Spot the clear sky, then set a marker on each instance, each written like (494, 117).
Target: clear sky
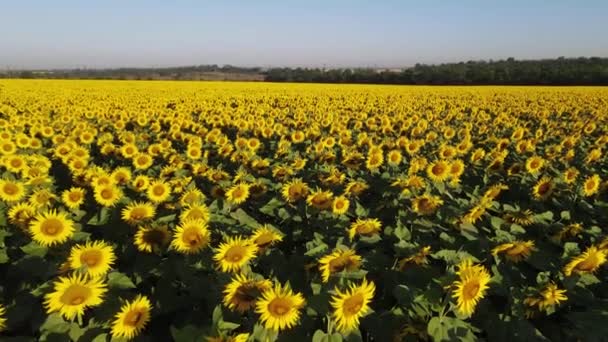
(112, 33)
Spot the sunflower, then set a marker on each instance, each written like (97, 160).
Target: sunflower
(543, 189)
(587, 262)
(394, 158)
(475, 213)
(340, 205)
(11, 191)
(234, 253)
(242, 292)
(364, 227)
(339, 260)
(51, 227)
(294, 190)
(515, 251)
(265, 236)
(355, 188)
(107, 195)
(426, 204)
(438, 171)
(148, 239)
(191, 236)
(73, 198)
(192, 197)
(471, 286)
(158, 191)
(549, 297)
(142, 161)
(456, 168)
(320, 199)
(591, 185)
(95, 257)
(534, 164)
(2, 318)
(138, 212)
(279, 307)
(238, 193)
(140, 183)
(121, 175)
(72, 295)
(349, 306)
(493, 192)
(132, 318)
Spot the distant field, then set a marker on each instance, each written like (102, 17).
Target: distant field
(238, 211)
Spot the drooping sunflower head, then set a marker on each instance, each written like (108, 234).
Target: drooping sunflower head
(547, 298)
(279, 307)
(72, 295)
(191, 236)
(426, 204)
(349, 306)
(21, 214)
(265, 236)
(588, 262)
(515, 251)
(51, 227)
(234, 253)
(364, 227)
(148, 239)
(242, 292)
(320, 199)
(132, 318)
(355, 188)
(95, 258)
(419, 258)
(523, 218)
(338, 261)
(138, 212)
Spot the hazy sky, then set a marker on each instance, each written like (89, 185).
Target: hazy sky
(110, 33)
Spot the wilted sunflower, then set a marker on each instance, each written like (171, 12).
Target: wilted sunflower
(349, 306)
(515, 251)
(158, 191)
(426, 204)
(238, 193)
(72, 295)
(493, 192)
(136, 213)
(587, 262)
(320, 199)
(543, 188)
(340, 205)
(191, 236)
(107, 195)
(96, 258)
(523, 218)
(471, 286)
(438, 171)
(550, 296)
(279, 307)
(419, 258)
(591, 185)
(148, 239)
(51, 227)
(265, 236)
(233, 254)
(242, 292)
(339, 260)
(132, 318)
(364, 227)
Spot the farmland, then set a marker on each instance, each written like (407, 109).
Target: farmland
(234, 211)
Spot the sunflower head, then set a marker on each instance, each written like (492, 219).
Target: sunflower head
(51, 227)
(149, 239)
(72, 295)
(471, 286)
(95, 258)
(349, 306)
(191, 236)
(279, 307)
(338, 261)
(235, 253)
(242, 292)
(132, 318)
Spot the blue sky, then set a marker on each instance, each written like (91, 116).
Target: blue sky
(111, 33)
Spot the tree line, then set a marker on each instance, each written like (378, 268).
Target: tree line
(559, 71)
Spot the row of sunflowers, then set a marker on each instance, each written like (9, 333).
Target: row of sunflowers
(187, 211)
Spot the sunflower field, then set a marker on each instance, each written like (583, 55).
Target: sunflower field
(202, 211)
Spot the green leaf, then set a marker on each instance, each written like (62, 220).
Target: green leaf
(565, 215)
(120, 281)
(360, 210)
(100, 338)
(3, 256)
(496, 222)
(81, 236)
(243, 218)
(402, 233)
(227, 326)
(437, 329)
(270, 207)
(317, 250)
(54, 323)
(101, 218)
(166, 219)
(188, 333)
(34, 249)
(321, 336)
